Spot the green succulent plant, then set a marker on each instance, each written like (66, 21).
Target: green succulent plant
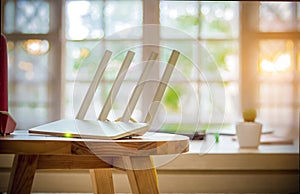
(249, 115)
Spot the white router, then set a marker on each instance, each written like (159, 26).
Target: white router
(101, 128)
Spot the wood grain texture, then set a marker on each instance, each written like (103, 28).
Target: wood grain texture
(134, 146)
(71, 162)
(34, 147)
(22, 174)
(141, 175)
(127, 166)
(102, 181)
(148, 144)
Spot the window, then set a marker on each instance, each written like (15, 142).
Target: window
(32, 43)
(278, 81)
(271, 59)
(234, 55)
(209, 63)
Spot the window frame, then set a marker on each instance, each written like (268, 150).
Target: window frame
(249, 37)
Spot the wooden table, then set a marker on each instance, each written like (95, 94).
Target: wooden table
(101, 156)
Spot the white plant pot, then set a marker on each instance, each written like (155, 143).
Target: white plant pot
(248, 134)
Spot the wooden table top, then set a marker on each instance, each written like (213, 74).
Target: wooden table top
(22, 142)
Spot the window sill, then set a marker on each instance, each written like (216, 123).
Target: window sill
(226, 155)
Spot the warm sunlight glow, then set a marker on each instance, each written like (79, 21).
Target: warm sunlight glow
(267, 66)
(36, 47)
(281, 64)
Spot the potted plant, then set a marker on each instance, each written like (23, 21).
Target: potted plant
(249, 132)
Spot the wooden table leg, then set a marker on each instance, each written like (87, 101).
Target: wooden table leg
(141, 174)
(22, 174)
(102, 180)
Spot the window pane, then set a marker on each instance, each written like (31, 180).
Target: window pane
(219, 19)
(120, 49)
(186, 66)
(34, 93)
(34, 115)
(83, 58)
(29, 67)
(9, 22)
(276, 93)
(72, 102)
(281, 117)
(75, 92)
(84, 20)
(86, 65)
(119, 15)
(181, 15)
(212, 102)
(76, 58)
(275, 58)
(29, 77)
(121, 101)
(277, 16)
(220, 102)
(181, 101)
(232, 104)
(224, 61)
(215, 20)
(32, 17)
(179, 106)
